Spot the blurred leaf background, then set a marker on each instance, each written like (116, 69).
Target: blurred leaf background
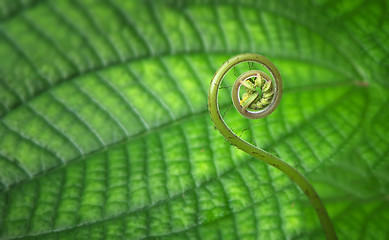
(105, 132)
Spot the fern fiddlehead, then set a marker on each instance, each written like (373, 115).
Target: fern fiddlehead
(261, 98)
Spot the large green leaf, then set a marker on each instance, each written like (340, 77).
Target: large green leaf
(105, 131)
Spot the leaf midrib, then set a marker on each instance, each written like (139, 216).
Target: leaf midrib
(76, 75)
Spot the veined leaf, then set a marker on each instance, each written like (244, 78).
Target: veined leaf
(105, 131)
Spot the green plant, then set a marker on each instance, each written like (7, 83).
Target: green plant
(256, 152)
(105, 131)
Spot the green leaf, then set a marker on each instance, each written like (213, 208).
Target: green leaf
(105, 131)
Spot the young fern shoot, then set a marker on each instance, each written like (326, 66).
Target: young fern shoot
(261, 98)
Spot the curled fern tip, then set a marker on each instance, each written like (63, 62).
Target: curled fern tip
(261, 96)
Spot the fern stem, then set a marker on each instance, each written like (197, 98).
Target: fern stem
(274, 161)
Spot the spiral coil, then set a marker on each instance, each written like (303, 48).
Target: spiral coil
(255, 104)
